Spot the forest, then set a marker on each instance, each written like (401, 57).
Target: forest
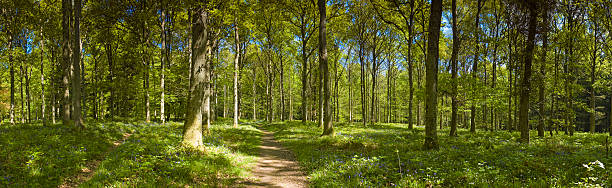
(305, 93)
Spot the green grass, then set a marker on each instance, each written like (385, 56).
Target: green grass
(33, 155)
(372, 156)
(154, 157)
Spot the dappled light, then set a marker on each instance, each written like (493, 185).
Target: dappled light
(305, 93)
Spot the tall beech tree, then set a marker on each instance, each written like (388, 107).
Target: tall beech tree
(431, 81)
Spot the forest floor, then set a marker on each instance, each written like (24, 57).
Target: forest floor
(390, 155)
(90, 167)
(276, 166)
(293, 154)
(34, 155)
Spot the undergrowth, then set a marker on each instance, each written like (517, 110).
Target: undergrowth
(388, 155)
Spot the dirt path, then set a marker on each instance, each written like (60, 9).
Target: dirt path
(276, 166)
(90, 168)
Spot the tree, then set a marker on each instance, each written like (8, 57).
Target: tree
(66, 50)
(431, 81)
(192, 129)
(475, 68)
(328, 128)
(76, 73)
(456, 44)
(525, 82)
(236, 72)
(164, 60)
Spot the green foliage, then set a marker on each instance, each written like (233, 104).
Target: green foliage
(154, 156)
(360, 156)
(35, 155)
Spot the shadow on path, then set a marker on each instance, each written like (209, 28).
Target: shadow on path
(276, 166)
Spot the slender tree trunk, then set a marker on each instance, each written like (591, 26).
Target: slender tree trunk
(53, 82)
(255, 93)
(525, 83)
(27, 74)
(542, 87)
(282, 88)
(475, 71)
(304, 78)
(350, 88)
(494, 78)
(42, 77)
(364, 117)
(510, 84)
(410, 66)
(431, 99)
(593, 74)
(373, 118)
(291, 93)
(22, 112)
(236, 69)
(456, 43)
(163, 61)
(12, 72)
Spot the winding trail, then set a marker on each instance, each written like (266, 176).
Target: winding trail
(276, 166)
(90, 168)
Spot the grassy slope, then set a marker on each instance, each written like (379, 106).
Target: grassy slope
(34, 155)
(373, 155)
(153, 156)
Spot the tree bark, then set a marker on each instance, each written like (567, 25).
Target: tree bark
(431, 80)
(163, 62)
(76, 74)
(192, 130)
(28, 73)
(328, 128)
(525, 83)
(42, 77)
(542, 87)
(456, 43)
(475, 70)
(66, 48)
(236, 69)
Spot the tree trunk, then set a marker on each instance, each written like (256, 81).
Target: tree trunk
(456, 43)
(328, 128)
(542, 87)
(22, 112)
(255, 93)
(509, 127)
(192, 130)
(431, 81)
(373, 118)
(363, 89)
(593, 74)
(475, 71)
(350, 88)
(236, 69)
(163, 61)
(410, 66)
(42, 77)
(66, 48)
(76, 61)
(525, 83)
(12, 72)
(28, 73)
(282, 88)
(291, 93)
